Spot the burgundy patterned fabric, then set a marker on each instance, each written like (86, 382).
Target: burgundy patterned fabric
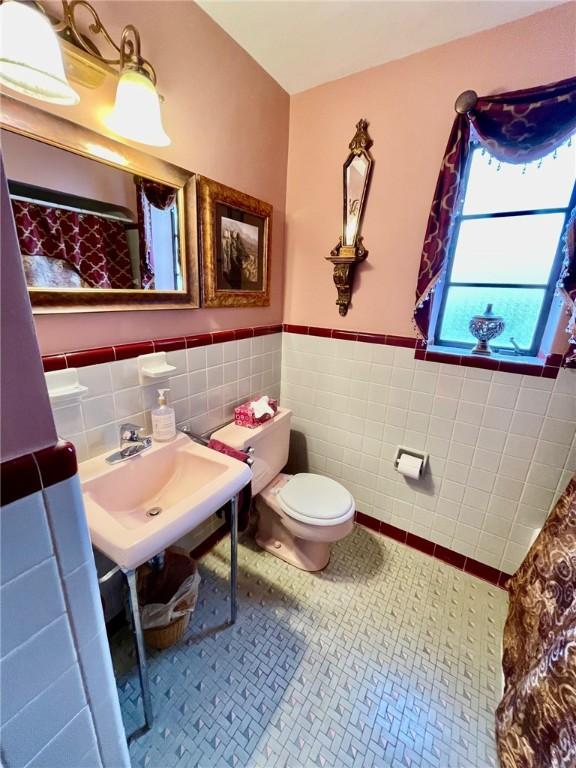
(150, 193)
(440, 221)
(515, 127)
(536, 719)
(94, 246)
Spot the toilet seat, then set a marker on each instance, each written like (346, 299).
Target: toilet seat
(316, 500)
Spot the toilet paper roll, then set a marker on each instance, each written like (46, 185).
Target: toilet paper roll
(409, 466)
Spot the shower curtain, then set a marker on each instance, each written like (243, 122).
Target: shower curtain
(536, 719)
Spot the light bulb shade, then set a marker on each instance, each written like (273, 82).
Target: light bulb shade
(136, 114)
(30, 55)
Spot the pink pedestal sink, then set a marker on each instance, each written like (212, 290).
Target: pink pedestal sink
(139, 507)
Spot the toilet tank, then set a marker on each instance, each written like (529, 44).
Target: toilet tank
(270, 443)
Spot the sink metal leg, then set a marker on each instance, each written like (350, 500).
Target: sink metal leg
(234, 560)
(140, 653)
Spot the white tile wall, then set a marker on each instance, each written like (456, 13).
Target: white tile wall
(502, 446)
(206, 386)
(51, 712)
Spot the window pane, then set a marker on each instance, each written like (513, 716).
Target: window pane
(514, 249)
(545, 183)
(520, 308)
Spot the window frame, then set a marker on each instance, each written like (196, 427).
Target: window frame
(549, 288)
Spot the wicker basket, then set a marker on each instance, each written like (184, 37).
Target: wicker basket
(163, 637)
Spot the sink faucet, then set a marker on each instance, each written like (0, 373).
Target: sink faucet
(132, 443)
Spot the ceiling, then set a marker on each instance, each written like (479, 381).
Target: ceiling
(303, 44)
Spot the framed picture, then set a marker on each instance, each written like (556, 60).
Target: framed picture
(235, 232)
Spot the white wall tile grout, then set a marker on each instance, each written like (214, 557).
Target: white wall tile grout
(208, 383)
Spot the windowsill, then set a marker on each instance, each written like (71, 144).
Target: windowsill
(527, 366)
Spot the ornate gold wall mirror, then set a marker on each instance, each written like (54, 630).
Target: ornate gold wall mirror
(100, 225)
(350, 250)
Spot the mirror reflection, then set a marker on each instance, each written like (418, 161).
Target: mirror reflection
(83, 224)
(356, 176)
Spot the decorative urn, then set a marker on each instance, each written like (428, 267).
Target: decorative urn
(484, 328)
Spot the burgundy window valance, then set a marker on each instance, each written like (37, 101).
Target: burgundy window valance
(94, 246)
(515, 127)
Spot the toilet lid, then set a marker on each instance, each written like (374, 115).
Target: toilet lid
(316, 500)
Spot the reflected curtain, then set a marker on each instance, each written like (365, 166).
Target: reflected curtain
(536, 719)
(515, 127)
(150, 193)
(94, 246)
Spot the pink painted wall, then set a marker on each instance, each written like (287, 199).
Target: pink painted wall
(227, 119)
(409, 104)
(33, 162)
(27, 423)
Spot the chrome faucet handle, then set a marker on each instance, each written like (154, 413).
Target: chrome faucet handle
(130, 433)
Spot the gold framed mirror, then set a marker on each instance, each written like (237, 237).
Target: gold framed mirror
(101, 226)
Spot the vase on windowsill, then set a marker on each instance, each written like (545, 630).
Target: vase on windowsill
(484, 328)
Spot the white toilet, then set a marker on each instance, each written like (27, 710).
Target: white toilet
(299, 516)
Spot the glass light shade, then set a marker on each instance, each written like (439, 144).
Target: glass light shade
(30, 55)
(136, 115)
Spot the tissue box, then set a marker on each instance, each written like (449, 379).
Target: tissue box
(244, 415)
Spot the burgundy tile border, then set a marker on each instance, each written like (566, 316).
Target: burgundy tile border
(372, 338)
(450, 557)
(54, 363)
(243, 333)
(455, 559)
(126, 351)
(302, 329)
(548, 370)
(198, 340)
(555, 360)
(19, 477)
(219, 337)
(367, 521)
(85, 357)
(423, 545)
(169, 345)
(325, 332)
(90, 357)
(30, 473)
(482, 571)
(267, 330)
(392, 532)
(57, 463)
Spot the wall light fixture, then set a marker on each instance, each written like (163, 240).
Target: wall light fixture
(32, 45)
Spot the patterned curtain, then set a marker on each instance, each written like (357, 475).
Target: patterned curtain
(150, 193)
(93, 246)
(515, 127)
(536, 719)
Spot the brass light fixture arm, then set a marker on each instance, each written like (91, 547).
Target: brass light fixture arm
(128, 50)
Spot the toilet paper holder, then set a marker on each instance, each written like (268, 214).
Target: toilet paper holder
(401, 450)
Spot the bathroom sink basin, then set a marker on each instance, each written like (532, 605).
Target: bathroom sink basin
(137, 508)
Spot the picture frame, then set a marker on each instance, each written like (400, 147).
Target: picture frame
(235, 232)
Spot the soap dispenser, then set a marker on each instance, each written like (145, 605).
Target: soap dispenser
(163, 419)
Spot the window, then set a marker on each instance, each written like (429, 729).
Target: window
(506, 247)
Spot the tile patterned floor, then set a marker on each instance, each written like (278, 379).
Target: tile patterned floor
(387, 658)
